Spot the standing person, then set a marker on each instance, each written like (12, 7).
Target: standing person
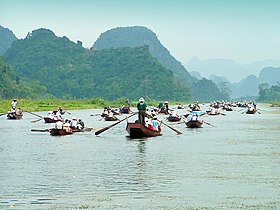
(127, 102)
(255, 105)
(141, 106)
(14, 103)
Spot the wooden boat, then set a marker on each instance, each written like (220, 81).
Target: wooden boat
(125, 110)
(251, 111)
(51, 120)
(194, 124)
(109, 118)
(180, 107)
(60, 132)
(137, 130)
(14, 116)
(171, 118)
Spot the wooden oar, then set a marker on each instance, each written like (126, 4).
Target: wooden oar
(34, 114)
(209, 124)
(177, 131)
(40, 130)
(34, 121)
(3, 114)
(110, 126)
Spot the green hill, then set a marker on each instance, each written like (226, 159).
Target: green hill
(68, 70)
(138, 36)
(6, 39)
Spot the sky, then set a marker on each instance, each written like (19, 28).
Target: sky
(242, 30)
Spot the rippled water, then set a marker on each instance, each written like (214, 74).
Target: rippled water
(234, 165)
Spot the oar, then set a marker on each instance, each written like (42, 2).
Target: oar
(209, 124)
(223, 114)
(33, 121)
(177, 131)
(34, 114)
(3, 114)
(110, 126)
(40, 130)
(258, 112)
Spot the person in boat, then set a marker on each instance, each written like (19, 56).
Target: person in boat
(149, 124)
(58, 116)
(50, 115)
(127, 103)
(255, 105)
(141, 106)
(160, 106)
(14, 103)
(166, 106)
(155, 123)
(18, 111)
(60, 110)
(194, 117)
(105, 112)
(81, 124)
(66, 125)
(74, 123)
(58, 125)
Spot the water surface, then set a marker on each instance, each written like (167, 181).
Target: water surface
(234, 165)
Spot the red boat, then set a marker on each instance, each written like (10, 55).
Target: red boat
(59, 132)
(194, 124)
(251, 111)
(51, 120)
(137, 130)
(110, 118)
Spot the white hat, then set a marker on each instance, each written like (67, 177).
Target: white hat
(74, 118)
(166, 102)
(141, 99)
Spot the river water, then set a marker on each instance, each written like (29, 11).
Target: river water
(234, 165)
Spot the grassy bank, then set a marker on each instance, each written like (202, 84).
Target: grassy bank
(53, 104)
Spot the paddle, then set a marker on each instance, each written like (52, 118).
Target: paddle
(177, 131)
(33, 121)
(223, 114)
(209, 124)
(34, 114)
(39, 130)
(3, 114)
(110, 126)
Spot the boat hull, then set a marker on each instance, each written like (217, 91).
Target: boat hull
(50, 120)
(136, 130)
(194, 124)
(14, 116)
(59, 132)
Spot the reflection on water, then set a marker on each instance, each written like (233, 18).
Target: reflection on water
(234, 165)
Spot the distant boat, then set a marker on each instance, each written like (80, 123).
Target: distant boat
(14, 116)
(137, 130)
(51, 120)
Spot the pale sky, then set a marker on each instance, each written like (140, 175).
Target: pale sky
(243, 30)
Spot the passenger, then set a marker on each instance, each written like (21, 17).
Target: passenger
(58, 125)
(81, 124)
(18, 111)
(194, 117)
(66, 125)
(155, 123)
(14, 103)
(74, 122)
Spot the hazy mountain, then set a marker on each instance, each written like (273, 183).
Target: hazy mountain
(269, 75)
(6, 39)
(139, 36)
(228, 68)
(196, 75)
(246, 87)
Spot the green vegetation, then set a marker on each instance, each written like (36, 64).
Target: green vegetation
(69, 71)
(269, 93)
(53, 104)
(12, 86)
(6, 39)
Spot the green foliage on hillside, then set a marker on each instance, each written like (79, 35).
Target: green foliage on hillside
(206, 90)
(6, 39)
(138, 36)
(12, 86)
(269, 93)
(68, 70)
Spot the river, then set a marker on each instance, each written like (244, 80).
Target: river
(234, 165)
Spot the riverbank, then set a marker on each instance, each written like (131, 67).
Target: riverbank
(32, 105)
